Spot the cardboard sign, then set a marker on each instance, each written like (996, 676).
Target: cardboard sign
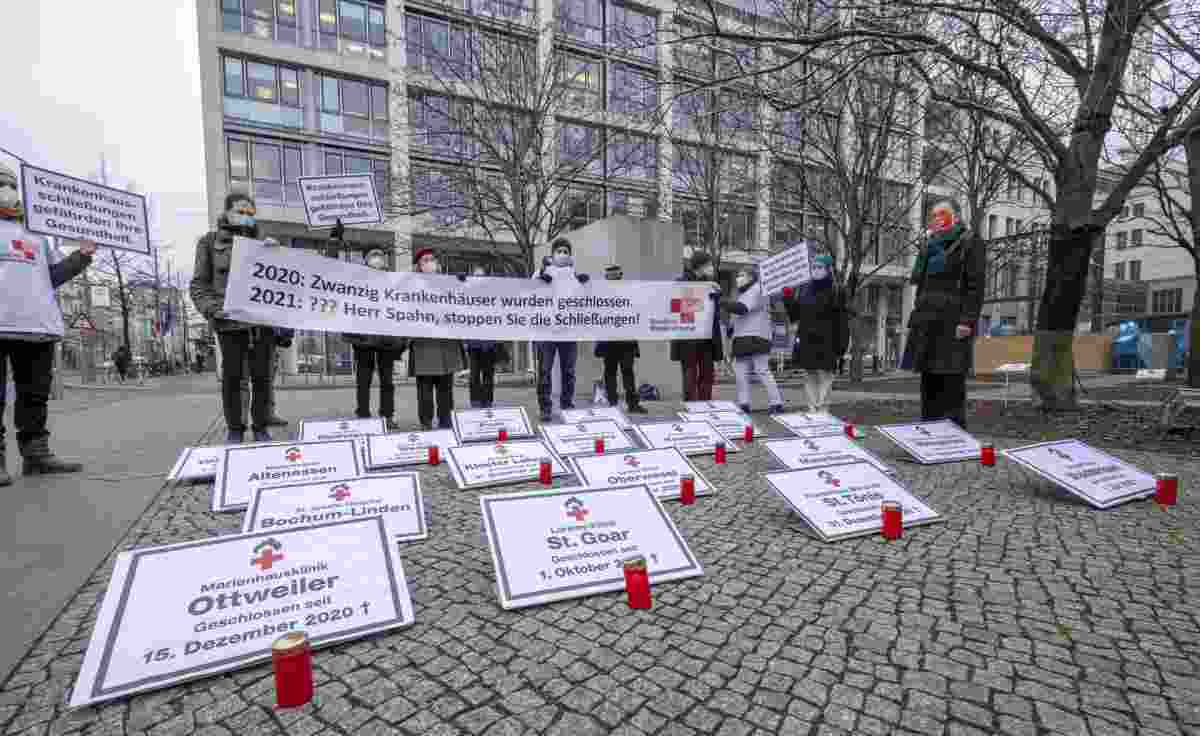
(580, 438)
(76, 209)
(484, 425)
(312, 430)
(189, 610)
(706, 406)
(245, 468)
(405, 448)
(691, 438)
(396, 497)
(931, 443)
(1097, 477)
(571, 543)
(497, 464)
(790, 267)
(657, 469)
(731, 424)
(574, 416)
(811, 425)
(197, 463)
(841, 501)
(833, 449)
(350, 198)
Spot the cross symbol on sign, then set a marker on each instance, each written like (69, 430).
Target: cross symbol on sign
(341, 493)
(579, 514)
(267, 559)
(686, 306)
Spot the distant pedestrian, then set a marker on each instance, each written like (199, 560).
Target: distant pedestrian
(559, 266)
(483, 355)
(376, 354)
(822, 332)
(698, 358)
(751, 328)
(620, 355)
(434, 361)
(122, 358)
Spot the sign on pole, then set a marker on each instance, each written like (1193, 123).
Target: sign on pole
(405, 448)
(808, 452)
(580, 438)
(338, 429)
(194, 609)
(245, 468)
(571, 543)
(76, 209)
(731, 424)
(574, 416)
(501, 463)
(350, 198)
(1078, 468)
(811, 425)
(659, 470)
(931, 443)
(790, 267)
(395, 496)
(198, 463)
(690, 438)
(484, 425)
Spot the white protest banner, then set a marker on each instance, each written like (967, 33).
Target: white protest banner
(1097, 477)
(290, 287)
(198, 463)
(580, 438)
(731, 424)
(394, 496)
(66, 207)
(807, 452)
(845, 500)
(497, 464)
(811, 425)
(698, 407)
(691, 438)
(572, 543)
(350, 198)
(244, 468)
(484, 425)
(658, 469)
(313, 430)
(574, 416)
(405, 448)
(790, 267)
(931, 443)
(189, 610)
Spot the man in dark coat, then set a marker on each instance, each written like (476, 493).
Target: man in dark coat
(620, 354)
(949, 275)
(822, 332)
(698, 358)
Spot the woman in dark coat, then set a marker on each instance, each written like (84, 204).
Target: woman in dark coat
(822, 333)
(949, 275)
(698, 358)
(434, 361)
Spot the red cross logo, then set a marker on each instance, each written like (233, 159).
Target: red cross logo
(267, 554)
(686, 306)
(632, 461)
(25, 249)
(576, 510)
(340, 493)
(829, 479)
(293, 454)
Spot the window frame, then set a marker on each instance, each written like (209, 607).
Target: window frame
(288, 181)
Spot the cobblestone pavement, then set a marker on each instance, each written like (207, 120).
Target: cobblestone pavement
(1027, 612)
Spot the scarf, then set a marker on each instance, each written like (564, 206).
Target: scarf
(932, 259)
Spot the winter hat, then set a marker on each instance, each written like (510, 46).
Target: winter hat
(421, 253)
(562, 243)
(699, 260)
(373, 253)
(825, 260)
(235, 197)
(7, 175)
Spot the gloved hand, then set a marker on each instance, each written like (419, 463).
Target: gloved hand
(271, 242)
(283, 342)
(545, 277)
(583, 278)
(462, 277)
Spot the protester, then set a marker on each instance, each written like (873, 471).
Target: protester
(434, 361)
(559, 265)
(698, 358)
(483, 355)
(949, 274)
(822, 332)
(751, 346)
(376, 353)
(283, 340)
(620, 354)
(30, 323)
(121, 360)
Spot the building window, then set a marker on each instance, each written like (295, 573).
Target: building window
(633, 204)
(582, 20)
(633, 31)
(436, 123)
(515, 10)
(633, 156)
(1139, 210)
(1167, 301)
(582, 206)
(338, 161)
(1135, 238)
(1135, 270)
(632, 91)
(437, 47)
(993, 226)
(1009, 226)
(271, 20)
(267, 94)
(1122, 238)
(268, 170)
(436, 192)
(691, 111)
(583, 81)
(1119, 271)
(353, 27)
(582, 148)
(353, 107)
(736, 111)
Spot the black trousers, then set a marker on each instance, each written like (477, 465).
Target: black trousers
(242, 350)
(33, 374)
(624, 361)
(443, 386)
(367, 361)
(944, 396)
(483, 377)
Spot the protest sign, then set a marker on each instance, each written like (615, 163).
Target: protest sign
(76, 209)
(931, 443)
(811, 425)
(790, 267)
(484, 425)
(394, 496)
(691, 438)
(499, 463)
(193, 609)
(707, 406)
(405, 448)
(571, 543)
(197, 463)
(289, 287)
(807, 452)
(580, 438)
(657, 469)
(312, 430)
(844, 500)
(1097, 477)
(350, 198)
(574, 416)
(731, 424)
(244, 468)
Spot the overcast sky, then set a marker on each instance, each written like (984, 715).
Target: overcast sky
(118, 78)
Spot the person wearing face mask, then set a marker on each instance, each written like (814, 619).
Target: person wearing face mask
(434, 361)
(558, 266)
(30, 323)
(376, 353)
(751, 347)
(822, 332)
(483, 356)
(620, 354)
(698, 358)
(949, 274)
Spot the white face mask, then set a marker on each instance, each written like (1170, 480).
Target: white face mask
(9, 197)
(820, 272)
(377, 263)
(478, 272)
(562, 259)
(706, 272)
(428, 265)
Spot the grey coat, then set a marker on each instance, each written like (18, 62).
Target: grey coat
(944, 301)
(434, 357)
(211, 277)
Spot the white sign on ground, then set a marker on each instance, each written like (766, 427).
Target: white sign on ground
(189, 610)
(931, 443)
(791, 267)
(845, 500)
(657, 469)
(312, 430)
(1097, 477)
(394, 496)
(571, 543)
(198, 463)
(574, 416)
(580, 438)
(245, 468)
(405, 448)
(501, 463)
(690, 438)
(350, 198)
(706, 406)
(833, 449)
(76, 209)
(731, 424)
(811, 425)
(484, 425)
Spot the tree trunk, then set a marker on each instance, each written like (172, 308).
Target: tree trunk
(1193, 356)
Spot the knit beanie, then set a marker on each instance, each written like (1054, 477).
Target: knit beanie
(235, 197)
(561, 243)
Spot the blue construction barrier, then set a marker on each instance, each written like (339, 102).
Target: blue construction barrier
(1180, 333)
(1129, 353)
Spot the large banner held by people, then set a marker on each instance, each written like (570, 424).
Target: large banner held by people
(285, 287)
(66, 207)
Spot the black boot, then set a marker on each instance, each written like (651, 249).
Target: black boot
(39, 460)
(5, 478)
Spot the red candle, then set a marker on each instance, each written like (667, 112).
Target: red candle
(599, 445)
(748, 433)
(851, 431)
(1166, 489)
(503, 436)
(546, 472)
(687, 490)
(787, 292)
(292, 660)
(637, 582)
(720, 453)
(893, 520)
(435, 455)
(987, 456)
